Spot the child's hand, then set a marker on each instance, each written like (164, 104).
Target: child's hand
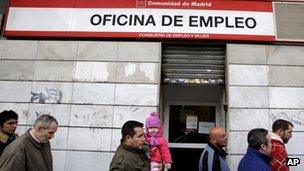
(168, 165)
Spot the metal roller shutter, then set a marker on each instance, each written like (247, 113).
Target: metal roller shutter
(193, 63)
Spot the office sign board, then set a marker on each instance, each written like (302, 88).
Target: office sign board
(180, 19)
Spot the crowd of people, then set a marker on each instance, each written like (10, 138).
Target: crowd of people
(32, 150)
(266, 149)
(143, 147)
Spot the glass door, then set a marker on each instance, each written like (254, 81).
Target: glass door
(187, 132)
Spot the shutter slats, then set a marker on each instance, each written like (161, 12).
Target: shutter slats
(193, 63)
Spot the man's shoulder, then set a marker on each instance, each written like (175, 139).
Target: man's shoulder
(252, 162)
(120, 149)
(123, 153)
(3, 138)
(6, 139)
(19, 142)
(252, 158)
(120, 153)
(120, 158)
(277, 143)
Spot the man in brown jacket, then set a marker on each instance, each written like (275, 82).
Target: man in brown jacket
(32, 150)
(130, 155)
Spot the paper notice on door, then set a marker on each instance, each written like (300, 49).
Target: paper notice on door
(191, 122)
(203, 127)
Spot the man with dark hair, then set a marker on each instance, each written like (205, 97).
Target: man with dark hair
(213, 158)
(257, 157)
(32, 150)
(282, 132)
(130, 156)
(8, 125)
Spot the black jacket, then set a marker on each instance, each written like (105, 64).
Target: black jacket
(5, 140)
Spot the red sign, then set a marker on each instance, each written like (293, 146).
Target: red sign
(181, 19)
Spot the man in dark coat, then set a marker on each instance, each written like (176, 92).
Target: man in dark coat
(257, 157)
(130, 155)
(32, 150)
(8, 125)
(213, 158)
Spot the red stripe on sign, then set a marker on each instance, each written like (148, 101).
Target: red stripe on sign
(242, 37)
(43, 3)
(160, 4)
(37, 34)
(139, 35)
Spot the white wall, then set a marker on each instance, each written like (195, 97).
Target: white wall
(265, 83)
(97, 86)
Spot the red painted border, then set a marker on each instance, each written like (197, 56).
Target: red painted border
(232, 5)
(138, 35)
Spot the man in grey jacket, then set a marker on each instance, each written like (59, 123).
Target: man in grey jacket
(32, 150)
(213, 158)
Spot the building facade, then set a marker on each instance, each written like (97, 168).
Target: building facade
(92, 86)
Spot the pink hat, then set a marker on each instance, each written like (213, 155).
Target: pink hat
(153, 120)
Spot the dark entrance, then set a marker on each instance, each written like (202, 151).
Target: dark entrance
(192, 93)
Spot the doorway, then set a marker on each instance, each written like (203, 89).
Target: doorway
(192, 99)
(186, 122)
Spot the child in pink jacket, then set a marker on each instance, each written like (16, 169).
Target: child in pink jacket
(159, 150)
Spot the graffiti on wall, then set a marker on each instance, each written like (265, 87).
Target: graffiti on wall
(97, 118)
(295, 119)
(50, 95)
(41, 113)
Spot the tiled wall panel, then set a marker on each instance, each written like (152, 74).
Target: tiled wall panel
(89, 86)
(265, 84)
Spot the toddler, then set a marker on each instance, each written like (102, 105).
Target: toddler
(159, 150)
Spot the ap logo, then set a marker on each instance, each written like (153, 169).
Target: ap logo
(292, 161)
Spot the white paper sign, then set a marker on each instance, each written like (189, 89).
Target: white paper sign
(203, 127)
(191, 122)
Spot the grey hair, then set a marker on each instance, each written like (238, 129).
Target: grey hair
(45, 120)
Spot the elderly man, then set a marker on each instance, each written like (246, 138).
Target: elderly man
(8, 125)
(213, 157)
(130, 155)
(32, 150)
(257, 157)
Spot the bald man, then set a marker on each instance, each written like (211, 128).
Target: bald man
(213, 158)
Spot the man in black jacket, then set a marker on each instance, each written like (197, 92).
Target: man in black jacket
(8, 125)
(213, 157)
